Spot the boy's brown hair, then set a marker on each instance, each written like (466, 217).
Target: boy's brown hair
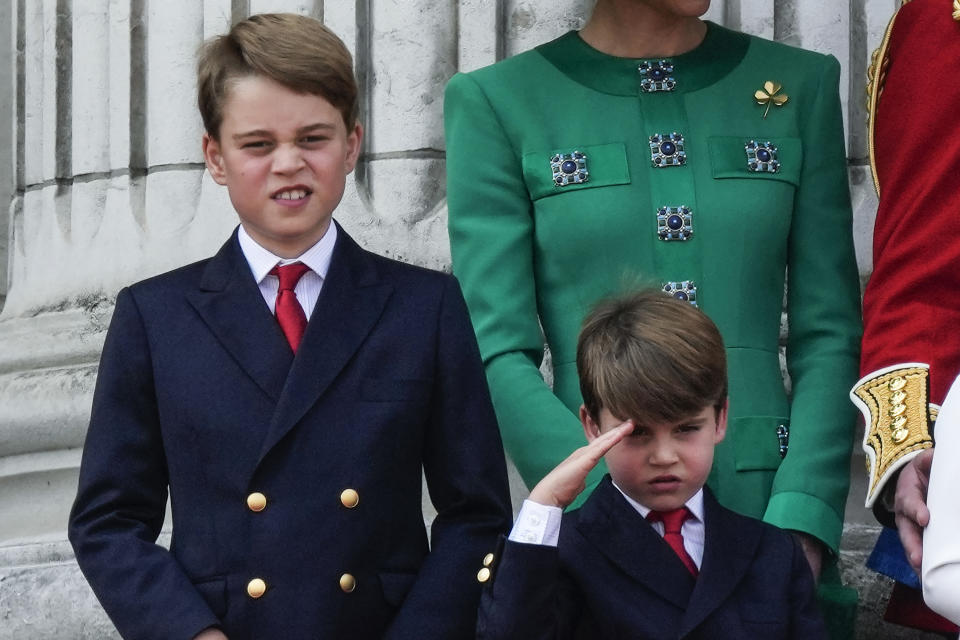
(649, 357)
(296, 51)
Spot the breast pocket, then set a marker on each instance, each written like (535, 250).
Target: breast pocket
(555, 172)
(777, 160)
(756, 187)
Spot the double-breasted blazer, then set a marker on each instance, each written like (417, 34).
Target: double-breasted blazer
(612, 576)
(294, 482)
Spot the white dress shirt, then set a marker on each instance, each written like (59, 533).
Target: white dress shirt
(308, 288)
(540, 524)
(941, 539)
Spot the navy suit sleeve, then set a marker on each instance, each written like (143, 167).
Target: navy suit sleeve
(466, 476)
(122, 496)
(529, 597)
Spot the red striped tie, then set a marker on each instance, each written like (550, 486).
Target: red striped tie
(290, 315)
(672, 526)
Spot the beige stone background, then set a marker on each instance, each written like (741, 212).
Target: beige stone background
(102, 184)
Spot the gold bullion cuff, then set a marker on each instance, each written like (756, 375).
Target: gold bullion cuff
(894, 404)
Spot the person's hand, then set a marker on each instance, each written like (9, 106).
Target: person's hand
(210, 634)
(910, 506)
(813, 550)
(561, 486)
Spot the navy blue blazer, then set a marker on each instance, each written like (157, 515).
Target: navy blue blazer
(199, 393)
(612, 576)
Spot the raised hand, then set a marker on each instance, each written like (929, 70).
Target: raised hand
(561, 486)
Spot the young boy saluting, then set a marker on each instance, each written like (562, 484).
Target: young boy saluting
(287, 393)
(651, 554)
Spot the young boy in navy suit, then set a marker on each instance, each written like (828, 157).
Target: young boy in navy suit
(651, 553)
(289, 393)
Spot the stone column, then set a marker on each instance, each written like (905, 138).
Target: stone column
(108, 187)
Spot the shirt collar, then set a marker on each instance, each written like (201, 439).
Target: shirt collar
(694, 504)
(261, 260)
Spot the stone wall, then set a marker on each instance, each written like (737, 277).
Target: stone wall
(105, 185)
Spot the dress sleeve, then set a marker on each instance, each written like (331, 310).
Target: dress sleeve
(823, 306)
(492, 245)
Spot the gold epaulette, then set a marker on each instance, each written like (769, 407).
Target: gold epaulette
(894, 404)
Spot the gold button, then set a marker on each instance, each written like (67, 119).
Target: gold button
(900, 435)
(256, 501)
(897, 410)
(349, 498)
(256, 588)
(483, 575)
(899, 422)
(898, 397)
(897, 383)
(348, 583)
(488, 560)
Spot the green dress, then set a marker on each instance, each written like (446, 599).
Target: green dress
(568, 181)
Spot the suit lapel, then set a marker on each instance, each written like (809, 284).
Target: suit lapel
(615, 528)
(729, 549)
(350, 303)
(231, 305)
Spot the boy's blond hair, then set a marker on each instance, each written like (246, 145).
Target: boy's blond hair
(649, 357)
(293, 50)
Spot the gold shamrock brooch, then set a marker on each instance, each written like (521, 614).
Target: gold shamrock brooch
(770, 94)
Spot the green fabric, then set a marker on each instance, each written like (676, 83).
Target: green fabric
(838, 603)
(531, 255)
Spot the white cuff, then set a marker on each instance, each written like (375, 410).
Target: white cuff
(537, 524)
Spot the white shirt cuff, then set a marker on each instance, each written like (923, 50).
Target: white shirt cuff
(537, 524)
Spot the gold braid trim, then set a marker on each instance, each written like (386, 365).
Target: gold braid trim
(876, 76)
(894, 402)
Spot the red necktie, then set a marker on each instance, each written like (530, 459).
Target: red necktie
(672, 526)
(290, 315)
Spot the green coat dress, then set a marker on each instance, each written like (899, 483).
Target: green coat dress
(533, 255)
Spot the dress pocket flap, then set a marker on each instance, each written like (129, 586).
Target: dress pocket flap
(729, 158)
(606, 164)
(756, 442)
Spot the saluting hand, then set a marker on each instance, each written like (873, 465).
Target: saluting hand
(561, 486)
(210, 634)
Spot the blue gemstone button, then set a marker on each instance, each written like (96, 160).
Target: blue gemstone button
(569, 168)
(674, 223)
(685, 290)
(656, 76)
(666, 150)
(762, 157)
